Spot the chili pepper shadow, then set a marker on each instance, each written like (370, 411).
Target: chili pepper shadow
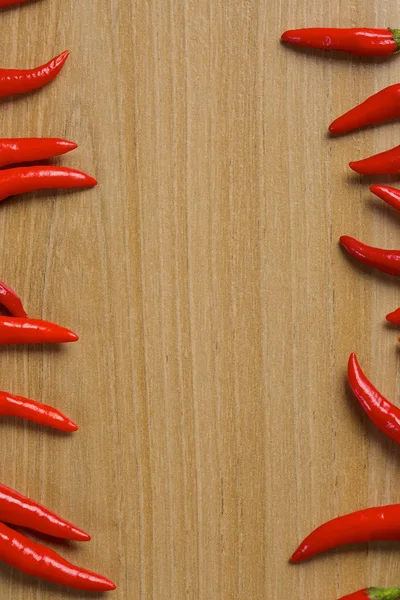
(381, 209)
(393, 327)
(45, 539)
(372, 433)
(44, 195)
(355, 179)
(54, 160)
(14, 422)
(371, 271)
(34, 348)
(336, 55)
(32, 584)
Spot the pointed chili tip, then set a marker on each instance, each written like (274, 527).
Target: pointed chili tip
(394, 317)
(344, 241)
(70, 426)
(67, 145)
(333, 129)
(61, 58)
(287, 36)
(353, 165)
(70, 336)
(103, 584)
(91, 181)
(296, 556)
(80, 535)
(375, 188)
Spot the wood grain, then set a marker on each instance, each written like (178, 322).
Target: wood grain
(215, 308)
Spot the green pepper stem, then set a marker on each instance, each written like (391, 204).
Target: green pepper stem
(383, 593)
(396, 37)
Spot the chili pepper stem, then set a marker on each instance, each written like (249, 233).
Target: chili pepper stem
(375, 593)
(396, 36)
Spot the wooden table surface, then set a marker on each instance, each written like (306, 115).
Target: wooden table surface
(215, 308)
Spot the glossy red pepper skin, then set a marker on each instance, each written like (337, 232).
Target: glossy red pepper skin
(20, 81)
(42, 414)
(359, 41)
(19, 510)
(10, 300)
(384, 163)
(394, 317)
(387, 261)
(383, 106)
(374, 593)
(36, 560)
(372, 524)
(383, 414)
(20, 150)
(360, 595)
(33, 331)
(21, 180)
(388, 194)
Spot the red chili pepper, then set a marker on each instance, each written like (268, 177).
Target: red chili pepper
(10, 2)
(35, 559)
(374, 594)
(394, 317)
(24, 408)
(360, 595)
(384, 414)
(33, 331)
(19, 510)
(388, 194)
(384, 163)
(383, 106)
(21, 180)
(10, 300)
(387, 261)
(359, 41)
(20, 81)
(20, 150)
(380, 523)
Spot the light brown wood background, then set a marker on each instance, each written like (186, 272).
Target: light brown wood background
(215, 308)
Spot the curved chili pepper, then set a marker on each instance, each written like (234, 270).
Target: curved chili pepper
(20, 81)
(33, 331)
(380, 523)
(35, 559)
(10, 300)
(20, 150)
(383, 106)
(383, 414)
(384, 163)
(24, 408)
(359, 41)
(374, 593)
(29, 179)
(388, 194)
(394, 317)
(19, 510)
(387, 261)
